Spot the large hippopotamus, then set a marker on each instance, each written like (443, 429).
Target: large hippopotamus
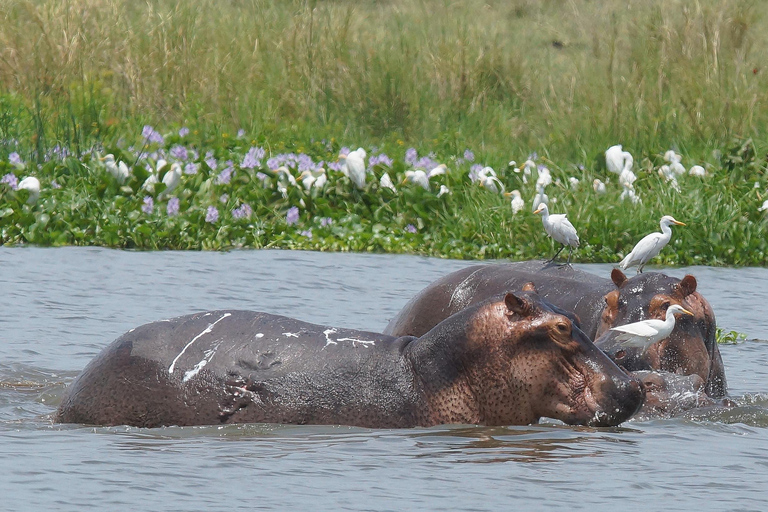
(598, 303)
(506, 360)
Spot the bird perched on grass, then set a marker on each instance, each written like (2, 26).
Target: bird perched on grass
(650, 246)
(560, 229)
(117, 169)
(645, 333)
(487, 179)
(353, 165)
(517, 201)
(617, 160)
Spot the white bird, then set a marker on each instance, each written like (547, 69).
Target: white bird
(517, 201)
(650, 246)
(421, 178)
(354, 163)
(598, 186)
(574, 182)
(627, 178)
(764, 207)
(629, 193)
(617, 160)
(544, 179)
(698, 170)
(540, 197)
(645, 333)
(670, 156)
(31, 184)
(560, 229)
(171, 178)
(386, 182)
(117, 169)
(528, 167)
(486, 177)
(443, 190)
(313, 179)
(284, 178)
(669, 176)
(677, 168)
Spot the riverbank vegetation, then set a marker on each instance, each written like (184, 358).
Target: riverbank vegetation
(206, 84)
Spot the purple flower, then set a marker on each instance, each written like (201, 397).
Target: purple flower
(59, 152)
(263, 177)
(381, 159)
(173, 207)
(151, 135)
(344, 151)
(410, 228)
(292, 217)
(191, 168)
(533, 156)
(211, 160)
(240, 133)
(244, 211)
(225, 176)
(55, 185)
(212, 215)
(325, 221)
(307, 233)
(334, 166)
(149, 205)
(253, 158)
(224, 198)
(469, 156)
(183, 132)
(11, 180)
(411, 155)
(14, 158)
(179, 152)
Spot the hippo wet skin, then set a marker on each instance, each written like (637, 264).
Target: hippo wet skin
(598, 303)
(507, 360)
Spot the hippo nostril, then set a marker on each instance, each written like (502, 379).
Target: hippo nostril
(621, 354)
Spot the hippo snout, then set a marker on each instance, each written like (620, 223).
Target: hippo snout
(623, 396)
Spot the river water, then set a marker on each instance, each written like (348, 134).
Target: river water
(60, 307)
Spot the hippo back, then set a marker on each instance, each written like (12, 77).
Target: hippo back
(563, 286)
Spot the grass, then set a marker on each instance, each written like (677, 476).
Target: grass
(504, 78)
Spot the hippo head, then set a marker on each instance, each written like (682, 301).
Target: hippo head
(528, 361)
(691, 347)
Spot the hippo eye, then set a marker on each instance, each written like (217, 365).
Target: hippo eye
(665, 305)
(562, 327)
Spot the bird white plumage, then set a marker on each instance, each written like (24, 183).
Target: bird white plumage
(386, 182)
(617, 160)
(171, 178)
(650, 245)
(540, 198)
(355, 166)
(598, 186)
(517, 201)
(645, 333)
(560, 229)
(31, 184)
(487, 179)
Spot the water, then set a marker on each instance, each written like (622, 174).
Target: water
(60, 307)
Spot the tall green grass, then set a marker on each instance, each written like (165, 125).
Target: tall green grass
(502, 77)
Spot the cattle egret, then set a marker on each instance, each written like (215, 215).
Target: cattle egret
(443, 190)
(487, 179)
(172, 178)
(528, 167)
(421, 177)
(764, 207)
(313, 179)
(574, 183)
(354, 163)
(31, 184)
(647, 332)
(598, 186)
(560, 229)
(544, 179)
(284, 178)
(386, 182)
(117, 169)
(517, 201)
(670, 156)
(540, 197)
(617, 160)
(650, 246)
(697, 170)
(629, 193)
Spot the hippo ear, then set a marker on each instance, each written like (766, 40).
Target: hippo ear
(686, 286)
(516, 304)
(529, 287)
(618, 277)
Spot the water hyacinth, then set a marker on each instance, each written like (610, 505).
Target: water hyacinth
(11, 180)
(212, 214)
(150, 135)
(183, 132)
(149, 205)
(211, 161)
(292, 216)
(469, 156)
(15, 159)
(191, 168)
(240, 133)
(173, 207)
(325, 222)
(225, 176)
(307, 233)
(253, 158)
(411, 156)
(244, 211)
(410, 228)
(474, 172)
(179, 152)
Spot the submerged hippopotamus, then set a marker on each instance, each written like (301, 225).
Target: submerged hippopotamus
(506, 360)
(598, 303)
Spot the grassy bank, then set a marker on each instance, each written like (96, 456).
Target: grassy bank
(504, 79)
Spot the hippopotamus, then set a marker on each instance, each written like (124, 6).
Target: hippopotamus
(506, 360)
(598, 303)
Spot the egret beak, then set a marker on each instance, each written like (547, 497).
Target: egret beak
(685, 311)
(507, 194)
(678, 223)
(537, 211)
